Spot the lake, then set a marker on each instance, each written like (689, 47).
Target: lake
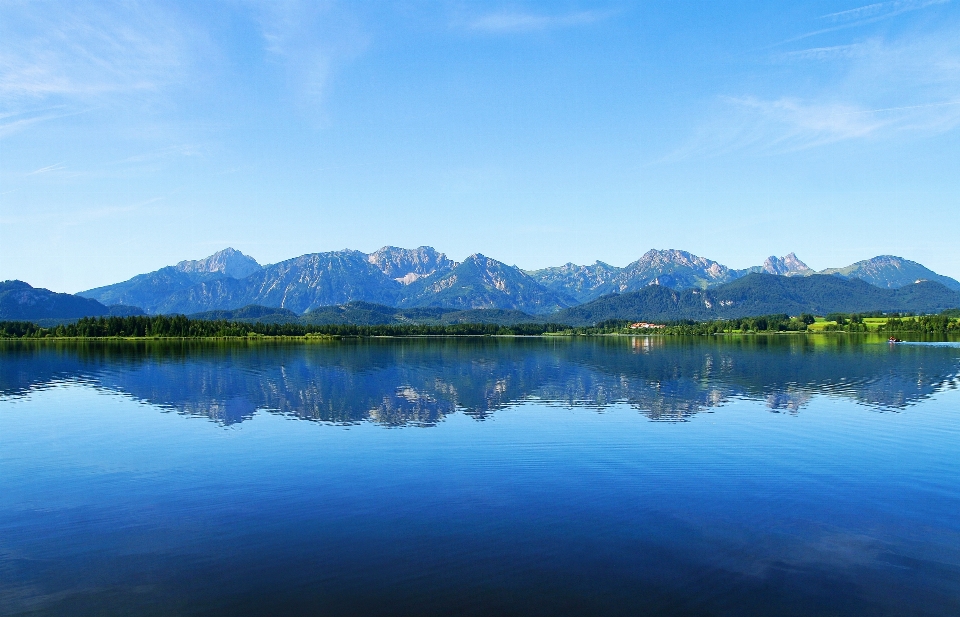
(755, 475)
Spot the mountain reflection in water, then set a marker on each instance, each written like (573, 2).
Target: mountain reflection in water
(420, 381)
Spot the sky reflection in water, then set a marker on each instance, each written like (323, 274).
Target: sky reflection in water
(530, 479)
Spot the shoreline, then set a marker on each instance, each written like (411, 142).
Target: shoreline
(550, 335)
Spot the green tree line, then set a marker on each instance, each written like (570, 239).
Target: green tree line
(179, 326)
(944, 323)
(763, 323)
(924, 323)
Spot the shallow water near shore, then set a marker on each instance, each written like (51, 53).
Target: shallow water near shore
(787, 475)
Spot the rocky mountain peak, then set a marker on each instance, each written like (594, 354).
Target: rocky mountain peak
(229, 262)
(424, 277)
(482, 282)
(680, 265)
(789, 265)
(14, 284)
(408, 265)
(891, 272)
(672, 258)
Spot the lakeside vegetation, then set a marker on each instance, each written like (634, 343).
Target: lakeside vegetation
(835, 322)
(179, 326)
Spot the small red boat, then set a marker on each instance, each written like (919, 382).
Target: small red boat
(894, 339)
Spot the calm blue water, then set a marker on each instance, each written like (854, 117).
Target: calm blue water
(753, 476)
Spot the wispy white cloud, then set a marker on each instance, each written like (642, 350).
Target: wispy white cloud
(124, 64)
(17, 120)
(773, 126)
(76, 217)
(514, 21)
(84, 51)
(310, 40)
(826, 53)
(93, 214)
(791, 124)
(880, 10)
(876, 88)
(177, 150)
(48, 168)
(865, 15)
(759, 126)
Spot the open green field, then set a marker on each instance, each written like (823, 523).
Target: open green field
(873, 323)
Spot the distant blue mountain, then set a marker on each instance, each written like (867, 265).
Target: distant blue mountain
(762, 294)
(483, 283)
(667, 268)
(21, 302)
(423, 277)
(892, 272)
(391, 276)
(682, 270)
(250, 313)
(369, 314)
(153, 290)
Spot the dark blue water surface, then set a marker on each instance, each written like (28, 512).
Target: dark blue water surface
(744, 476)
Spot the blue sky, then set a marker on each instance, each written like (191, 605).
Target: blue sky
(137, 134)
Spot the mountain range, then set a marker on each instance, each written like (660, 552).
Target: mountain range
(424, 277)
(21, 302)
(392, 276)
(401, 282)
(762, 294)
(751, 295)
(679, 270)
